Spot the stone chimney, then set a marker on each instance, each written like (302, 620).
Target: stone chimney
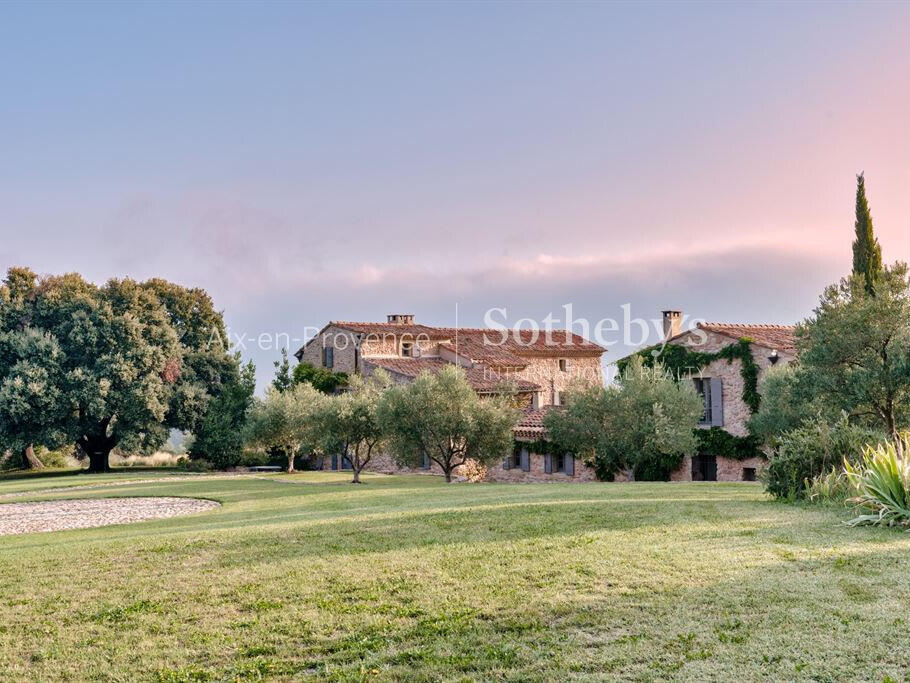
(672, 323)
(401, 318)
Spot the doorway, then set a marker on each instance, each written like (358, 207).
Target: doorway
(704, 468)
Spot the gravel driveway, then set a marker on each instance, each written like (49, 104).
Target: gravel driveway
(56, 515)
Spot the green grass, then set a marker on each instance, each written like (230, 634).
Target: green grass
(406, 578)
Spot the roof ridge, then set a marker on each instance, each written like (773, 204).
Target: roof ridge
(764, 326)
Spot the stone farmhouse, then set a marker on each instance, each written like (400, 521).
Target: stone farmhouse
(542, 366)
(720, 383)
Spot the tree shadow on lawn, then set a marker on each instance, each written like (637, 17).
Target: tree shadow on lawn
(793, 619)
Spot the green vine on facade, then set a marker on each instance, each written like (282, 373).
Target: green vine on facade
(682, 362)
(719, 441)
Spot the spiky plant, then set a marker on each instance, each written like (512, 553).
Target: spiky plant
(882, 481)
(830, 488)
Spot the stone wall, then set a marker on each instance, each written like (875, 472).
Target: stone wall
(545, 372)
(728, 469)
(385, 464)
(736, 412)
(343, 343)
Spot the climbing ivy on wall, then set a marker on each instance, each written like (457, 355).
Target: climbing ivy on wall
(681, 361)
(719, 441)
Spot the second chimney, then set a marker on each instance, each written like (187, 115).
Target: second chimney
(672, 323)
(401, 318)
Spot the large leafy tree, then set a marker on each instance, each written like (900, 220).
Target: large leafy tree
(789, 398)
(645, 421)
(856, 348)
(31, 410)
(136, 359)
(30, 369)
(219, 436)
(349, 423)
(286, 421)
(867, 253)
(439, 416)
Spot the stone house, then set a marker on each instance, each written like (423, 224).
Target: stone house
(542, 365)
(721, 384)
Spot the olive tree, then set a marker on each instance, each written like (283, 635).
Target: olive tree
(286, 421)
(440, 417)
(349, 423)
(645, 421)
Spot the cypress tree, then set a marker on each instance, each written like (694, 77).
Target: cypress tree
(867, 253)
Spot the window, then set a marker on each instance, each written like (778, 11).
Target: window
(563, 365)
(703, 387)
(407, 349)
(557, 398)
(749, 474)
(328, 357)
(515, 460)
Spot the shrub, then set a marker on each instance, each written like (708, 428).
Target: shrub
(194, 465)
(882, 480)
(813, 448)
(474, 471)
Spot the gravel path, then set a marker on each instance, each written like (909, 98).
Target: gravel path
(56, 515)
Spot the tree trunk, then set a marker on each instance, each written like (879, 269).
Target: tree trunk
(448, 476)
(291, 469)
(98, 451)
(356, 479)
(32, 460)
(99, 460)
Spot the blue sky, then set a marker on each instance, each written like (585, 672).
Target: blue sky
(312, 161)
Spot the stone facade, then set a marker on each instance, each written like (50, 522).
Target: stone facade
(728, 469)
(496, 472)
(736, 413)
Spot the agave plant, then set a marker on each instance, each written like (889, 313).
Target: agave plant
(882, 481)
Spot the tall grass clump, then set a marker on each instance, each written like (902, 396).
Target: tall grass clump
(882, 481)
(830, 488)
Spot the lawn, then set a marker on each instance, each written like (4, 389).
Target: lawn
(407, 578)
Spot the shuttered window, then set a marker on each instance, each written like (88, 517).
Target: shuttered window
(328, 357)
(703, 388)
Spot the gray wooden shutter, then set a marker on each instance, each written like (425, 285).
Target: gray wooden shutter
(717, 402)
(330, 358)
(525, 460)
(507, 463)
(334, 462)
(569, 465)
(548, 463)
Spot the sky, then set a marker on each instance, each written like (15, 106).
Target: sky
(305, 162)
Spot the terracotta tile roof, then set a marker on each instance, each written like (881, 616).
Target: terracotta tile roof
(482, 379)
(531, 424)
(380, 329)
(780, 337)
(525, 342)
(477, 352)
(517, 342)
